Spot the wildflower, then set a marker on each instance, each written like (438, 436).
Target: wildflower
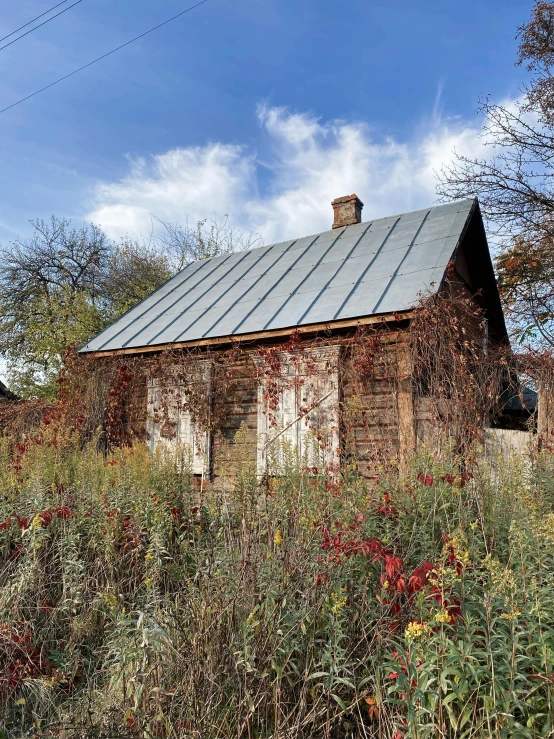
(110, 599)
(416, 630)
(510, 616)
(455, 550)
(278, 538)
(148, 582)
(443, 617)
(36, 523)
(148, 556)
(339, 600)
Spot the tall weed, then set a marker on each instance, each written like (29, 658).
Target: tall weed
(136, 602)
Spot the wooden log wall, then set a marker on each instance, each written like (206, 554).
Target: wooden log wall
(376, 411)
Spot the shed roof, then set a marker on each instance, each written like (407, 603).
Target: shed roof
(364, 269)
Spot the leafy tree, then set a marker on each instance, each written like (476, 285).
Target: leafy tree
(63, 285)
(515, 184)
(49, 298)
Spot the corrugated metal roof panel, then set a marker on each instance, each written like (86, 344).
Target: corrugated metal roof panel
(381, 266)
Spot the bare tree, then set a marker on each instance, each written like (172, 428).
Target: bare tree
(209, 238)
(515, 184)
(134, 269)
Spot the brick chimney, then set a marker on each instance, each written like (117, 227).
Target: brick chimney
(348, 210)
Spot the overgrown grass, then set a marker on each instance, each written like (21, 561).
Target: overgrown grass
(134, 603)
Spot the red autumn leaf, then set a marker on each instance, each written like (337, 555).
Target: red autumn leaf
(45, 518)
(64, 512)
(425, 478)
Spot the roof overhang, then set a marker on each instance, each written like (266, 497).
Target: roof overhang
(276, 334)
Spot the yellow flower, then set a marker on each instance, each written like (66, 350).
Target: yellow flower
(110, 599)
(278, 538)
(416, 630)
(339, 601)
(443, 617)
(148, 556)
(148, 582)
(36, 523)
(510, 616)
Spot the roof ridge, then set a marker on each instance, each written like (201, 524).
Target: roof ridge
(371, 221)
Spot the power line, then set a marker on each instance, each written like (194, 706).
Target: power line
(61, 79)
(34, 19)
(39, 25)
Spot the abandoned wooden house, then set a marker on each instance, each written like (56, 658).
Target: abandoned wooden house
(279, 321)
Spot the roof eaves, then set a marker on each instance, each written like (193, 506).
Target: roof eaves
(306, 330)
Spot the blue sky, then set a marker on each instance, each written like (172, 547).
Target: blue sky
(265, 109)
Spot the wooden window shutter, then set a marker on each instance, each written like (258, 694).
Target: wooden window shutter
(170, 423)
(306, 419)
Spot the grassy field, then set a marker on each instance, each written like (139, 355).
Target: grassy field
(134, 603)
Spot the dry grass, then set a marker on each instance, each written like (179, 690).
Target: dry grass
(132, 604)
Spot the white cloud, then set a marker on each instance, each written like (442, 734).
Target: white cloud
(311, 163)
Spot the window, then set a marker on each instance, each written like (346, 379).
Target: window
(173, 423)
(298, 407)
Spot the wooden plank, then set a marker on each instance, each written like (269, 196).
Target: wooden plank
(262, 335)
(405, 402)
(506, 444)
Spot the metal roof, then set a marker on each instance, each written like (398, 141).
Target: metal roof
(381, 266)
